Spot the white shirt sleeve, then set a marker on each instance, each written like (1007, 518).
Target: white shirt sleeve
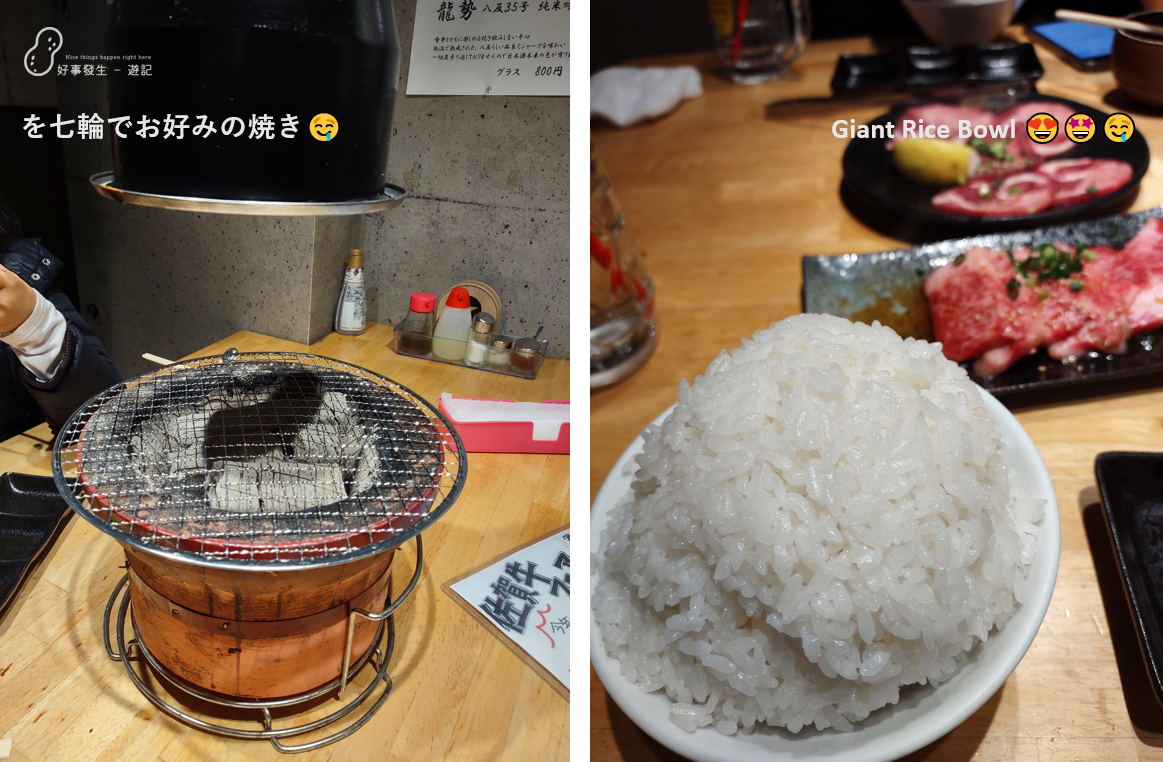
(38, 340)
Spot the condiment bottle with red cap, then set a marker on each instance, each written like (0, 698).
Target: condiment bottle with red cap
(416, 332)
(450, 339)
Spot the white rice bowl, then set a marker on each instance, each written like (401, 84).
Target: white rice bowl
(825, 517)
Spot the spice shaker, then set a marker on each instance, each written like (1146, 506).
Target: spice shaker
(416, 332)
(479, 339)
(499, 352)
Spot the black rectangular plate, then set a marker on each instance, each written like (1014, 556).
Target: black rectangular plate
(1130, 486)
(879, 72)
(886, 286)
(922, 68)
(31, 509)
(935, 66)
(994, 63)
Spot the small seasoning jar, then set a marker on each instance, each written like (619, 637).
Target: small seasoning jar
(479, 340)
(525, 355)
(499, 353)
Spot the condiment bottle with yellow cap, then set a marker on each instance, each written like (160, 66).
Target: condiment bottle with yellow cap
(351, 313)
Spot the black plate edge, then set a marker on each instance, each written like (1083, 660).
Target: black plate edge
(1060, 391)
(30, 563)
(1050, 391)
(958, 225)
(970, 57)
(1151, 659)
(40, 489)
(1094, 379)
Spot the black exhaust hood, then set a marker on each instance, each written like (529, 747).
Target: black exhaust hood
(258, 72)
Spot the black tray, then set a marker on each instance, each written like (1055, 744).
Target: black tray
(31, 509)
(917, 69)
(886, 286)
(1130, 485)
(869, 174)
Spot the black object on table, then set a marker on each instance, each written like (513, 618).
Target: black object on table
(1130, 485)
(870, 176)
(31, 510)
(919, 72)
(917, 69)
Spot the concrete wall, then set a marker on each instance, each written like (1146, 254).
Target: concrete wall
(489, 178)
(489, 195)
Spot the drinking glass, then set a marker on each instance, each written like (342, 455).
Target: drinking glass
(758, 39)
(622, 335)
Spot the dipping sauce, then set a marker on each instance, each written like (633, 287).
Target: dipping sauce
(525, 355)
(415, 344)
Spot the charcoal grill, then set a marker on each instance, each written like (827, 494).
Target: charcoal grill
(260, 500)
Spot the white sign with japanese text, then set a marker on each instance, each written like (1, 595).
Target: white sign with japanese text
(527, 596)
(477, 47)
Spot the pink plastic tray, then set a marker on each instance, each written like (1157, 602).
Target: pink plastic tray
(507, 436)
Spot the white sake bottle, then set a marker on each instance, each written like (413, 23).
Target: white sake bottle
(351, 312)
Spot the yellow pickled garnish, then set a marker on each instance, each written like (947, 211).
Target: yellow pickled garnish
(933, 162)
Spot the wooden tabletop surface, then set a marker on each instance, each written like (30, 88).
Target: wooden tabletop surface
(458, 694)
(725, 203)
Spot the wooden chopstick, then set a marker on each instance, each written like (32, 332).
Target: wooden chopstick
(1112, 22)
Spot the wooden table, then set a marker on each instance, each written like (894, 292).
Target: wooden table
(458, 694)
(725, 203)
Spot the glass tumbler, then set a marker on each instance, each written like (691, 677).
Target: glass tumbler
(622, 335)
(758, 39)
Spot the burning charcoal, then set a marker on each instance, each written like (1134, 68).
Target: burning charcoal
(253, 431)
(260, 452)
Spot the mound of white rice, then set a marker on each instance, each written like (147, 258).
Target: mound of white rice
(825, 517)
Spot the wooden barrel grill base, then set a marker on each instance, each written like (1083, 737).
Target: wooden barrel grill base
(251, 659)
(136, 655)
(133, 651)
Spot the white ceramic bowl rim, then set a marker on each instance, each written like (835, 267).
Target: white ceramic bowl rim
(923, 714)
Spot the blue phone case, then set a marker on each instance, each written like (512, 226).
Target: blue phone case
(1084, 41)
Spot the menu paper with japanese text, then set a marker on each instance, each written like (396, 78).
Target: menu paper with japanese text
(525, 596)
(474, 47)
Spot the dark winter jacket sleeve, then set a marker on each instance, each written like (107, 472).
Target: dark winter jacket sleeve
(85, 369)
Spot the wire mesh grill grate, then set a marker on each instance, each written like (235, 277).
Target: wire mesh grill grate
(260, 459)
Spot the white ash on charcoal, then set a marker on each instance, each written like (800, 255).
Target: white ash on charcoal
(268, 455)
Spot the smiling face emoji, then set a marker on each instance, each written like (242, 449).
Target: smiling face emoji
(1119, 128)
(1080, 128)
(1042, 128)
(324, 127)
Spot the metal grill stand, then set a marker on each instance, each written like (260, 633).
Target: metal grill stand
(253, 493)
(265, 460)
(379, 655)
